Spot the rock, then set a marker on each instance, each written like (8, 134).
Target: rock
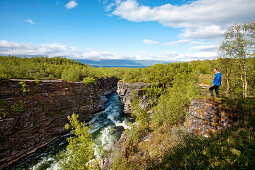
(126, 90)
(115, 149)
(119, 128)
(47, 106)
(206, 117)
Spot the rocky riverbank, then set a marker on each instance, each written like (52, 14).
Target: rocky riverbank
(34, 113)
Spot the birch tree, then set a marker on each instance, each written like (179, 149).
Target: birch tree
(239, 44)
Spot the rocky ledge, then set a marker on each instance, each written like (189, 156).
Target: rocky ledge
(33, 114)
(207, 116)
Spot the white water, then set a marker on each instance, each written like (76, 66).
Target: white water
(106, 128)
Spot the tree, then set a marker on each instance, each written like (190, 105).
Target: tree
(80, 148)
(239, 44)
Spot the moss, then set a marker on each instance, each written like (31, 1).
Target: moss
(19, 107)
(62, 112)
(9, 110)
(49, 113)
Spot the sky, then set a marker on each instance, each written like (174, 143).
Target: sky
(169, 30)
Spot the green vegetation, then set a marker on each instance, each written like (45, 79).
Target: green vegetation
(89, 80)
(24, 87)
(176, 84)
(171, 88)
(232, 148)
(51, 68)
(7, 110)
(80, 148)
(239, 43)
(4, 77)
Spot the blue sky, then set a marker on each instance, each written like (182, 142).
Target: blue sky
(119, 29)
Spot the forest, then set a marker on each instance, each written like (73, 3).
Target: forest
(174, 85)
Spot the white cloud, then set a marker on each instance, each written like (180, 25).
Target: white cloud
(205, 48)
(71, 4)
(199, 56)
(182, 42)
(29, 21)
(200, 16)
(151, 42)
(54, 49)
(112, 4)
(206, 33)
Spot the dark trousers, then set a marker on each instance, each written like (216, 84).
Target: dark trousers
(216, 88)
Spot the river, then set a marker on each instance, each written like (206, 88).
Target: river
(107, 126)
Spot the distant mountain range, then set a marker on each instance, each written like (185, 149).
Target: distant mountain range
(122, 63)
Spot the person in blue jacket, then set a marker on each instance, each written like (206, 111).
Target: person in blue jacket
(216, 83)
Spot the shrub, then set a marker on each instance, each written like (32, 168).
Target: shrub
(89, 80)
(80, 148)
(24, 87)
(4, 77)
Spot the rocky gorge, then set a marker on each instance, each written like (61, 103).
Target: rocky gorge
(34, 113)
(37, 117)
(206, 116)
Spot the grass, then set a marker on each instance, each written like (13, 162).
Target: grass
(231, 148)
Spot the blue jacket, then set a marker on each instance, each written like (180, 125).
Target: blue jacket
(217, 79)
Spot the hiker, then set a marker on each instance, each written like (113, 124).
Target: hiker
(216, 83)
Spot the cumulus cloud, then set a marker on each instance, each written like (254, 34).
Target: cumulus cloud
(207, 48)
(206, 33)
(198, 18)
(29, 21)
(151, 42)
(54, 49)
(71, 4)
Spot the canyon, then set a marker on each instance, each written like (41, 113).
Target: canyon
(34, 113)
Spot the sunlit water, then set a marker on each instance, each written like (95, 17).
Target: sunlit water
(107, 126)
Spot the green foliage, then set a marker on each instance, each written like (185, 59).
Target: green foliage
(9, 110)
(174, 103)
(89, 80)
(24, 87)
(231, 149)
(142, 118)
(80, 148)
(239, 44)
(71, 73)
(4, 112)
(4, 78)
(51, 68)
(19, 107)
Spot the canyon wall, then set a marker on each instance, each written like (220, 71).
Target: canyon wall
(32, 113)
(127, 90)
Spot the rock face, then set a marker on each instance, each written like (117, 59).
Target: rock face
(126, 90)
(207, 117)
(31, 120)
